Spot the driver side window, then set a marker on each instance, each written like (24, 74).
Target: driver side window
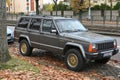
(47, 25)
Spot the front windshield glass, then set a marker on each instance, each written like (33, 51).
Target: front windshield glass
(69, 25)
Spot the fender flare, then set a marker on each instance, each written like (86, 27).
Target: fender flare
(79, 46)
(26, 37)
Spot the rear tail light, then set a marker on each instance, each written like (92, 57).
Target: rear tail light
(14, 33)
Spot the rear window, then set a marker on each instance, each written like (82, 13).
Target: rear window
(23, 23)
(35, 24)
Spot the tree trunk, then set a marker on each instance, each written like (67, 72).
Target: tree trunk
(4, 54)
(37, 7)
(110, 10)
(55, 2)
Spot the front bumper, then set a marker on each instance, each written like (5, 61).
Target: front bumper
(10, 39)
(101, 54)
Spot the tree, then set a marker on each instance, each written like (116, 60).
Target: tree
(62, 7)
(4, 54)
(117, 6)
(79, 4)
(101, 7)
(55, 2)
(48, 7)
(104, 6)
(8, 3)
(96, 7)
(37, 7)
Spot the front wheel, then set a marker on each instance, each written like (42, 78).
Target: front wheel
(25, 48)
(74, 60)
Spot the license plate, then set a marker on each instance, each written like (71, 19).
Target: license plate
(107, 54)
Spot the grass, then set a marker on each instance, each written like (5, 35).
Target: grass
(16, 64)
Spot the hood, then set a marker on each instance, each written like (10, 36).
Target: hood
(88, 37)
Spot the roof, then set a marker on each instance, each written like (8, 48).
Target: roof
(47, 17)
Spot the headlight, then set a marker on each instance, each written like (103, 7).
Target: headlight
(92, 48)
(115, 43)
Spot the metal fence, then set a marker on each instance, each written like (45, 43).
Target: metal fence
(114, 21)
(94, 19)
(13, 17)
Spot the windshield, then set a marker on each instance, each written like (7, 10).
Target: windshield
(69, 25)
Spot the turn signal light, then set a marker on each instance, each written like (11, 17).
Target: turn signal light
(90, 48)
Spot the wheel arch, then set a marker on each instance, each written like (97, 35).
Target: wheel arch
(70, 45)
(24, 37)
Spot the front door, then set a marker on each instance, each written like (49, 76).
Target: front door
(49, 40)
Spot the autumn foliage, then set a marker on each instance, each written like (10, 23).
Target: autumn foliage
(78, 5)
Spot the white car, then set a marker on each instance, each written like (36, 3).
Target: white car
(10, 35)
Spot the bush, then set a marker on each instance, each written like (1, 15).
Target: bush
(101, 7)
(96, 7)
(62, 7)
(117, 6)
(48, 7)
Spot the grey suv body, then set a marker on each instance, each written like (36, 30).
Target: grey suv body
(66, 37)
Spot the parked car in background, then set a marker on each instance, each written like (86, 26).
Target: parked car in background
(10, 34)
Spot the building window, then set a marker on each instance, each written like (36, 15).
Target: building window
(95, 1)
(27, 8)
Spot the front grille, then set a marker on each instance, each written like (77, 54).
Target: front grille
(105, 46)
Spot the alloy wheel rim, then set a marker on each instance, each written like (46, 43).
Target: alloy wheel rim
(23, 48)
(72, 60)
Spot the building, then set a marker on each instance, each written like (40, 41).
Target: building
(97, 2)
(22, 6)
(108, 2)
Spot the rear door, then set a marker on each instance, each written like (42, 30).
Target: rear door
(22, 27)
(34, 31)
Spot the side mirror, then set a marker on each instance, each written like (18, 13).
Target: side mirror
(54, 31)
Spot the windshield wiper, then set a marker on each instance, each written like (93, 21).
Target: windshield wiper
(77, 30)
(68, 31)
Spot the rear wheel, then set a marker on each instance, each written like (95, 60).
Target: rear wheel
(74, 60)
(102, 61)
(25, 48)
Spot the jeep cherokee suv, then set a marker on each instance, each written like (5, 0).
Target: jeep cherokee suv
(66, 37)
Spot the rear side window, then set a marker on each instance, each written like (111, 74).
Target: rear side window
(35, 24)
(23, 23)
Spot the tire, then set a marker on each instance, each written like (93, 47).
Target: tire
(24, 48)
(74, 60)
(102, 61)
